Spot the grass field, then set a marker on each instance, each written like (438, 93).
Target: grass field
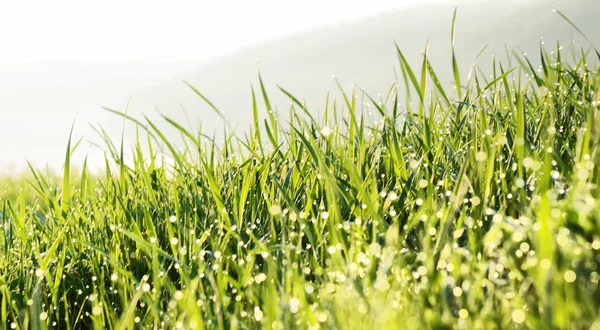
(476, 207)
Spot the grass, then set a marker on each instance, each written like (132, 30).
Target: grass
(476, 208)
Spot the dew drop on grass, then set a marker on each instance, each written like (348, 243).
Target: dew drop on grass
(375, 249)
(275, 210)
(570, 276)
(294, 305)
(260, 278)
(322, 317)
(518, 316)
(331, 249)
(97, 310)
(457, 292)
(178, 295)
(258, 314)
(545, 263)
(519, 253)
(309, 289)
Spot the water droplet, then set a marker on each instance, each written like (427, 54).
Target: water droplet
(518, 316)
(570, 276)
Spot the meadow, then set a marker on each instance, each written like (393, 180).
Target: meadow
(475, 208)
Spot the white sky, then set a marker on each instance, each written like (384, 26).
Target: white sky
(64, 58)
(104, 31)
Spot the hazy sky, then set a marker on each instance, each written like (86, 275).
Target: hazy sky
(65, 58)
(117, 30)
(59, 59)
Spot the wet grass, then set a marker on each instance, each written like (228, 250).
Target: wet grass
(471, 208)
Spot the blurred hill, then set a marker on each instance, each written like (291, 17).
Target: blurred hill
(363, 53)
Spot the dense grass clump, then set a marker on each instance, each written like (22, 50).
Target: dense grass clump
(480, 213)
